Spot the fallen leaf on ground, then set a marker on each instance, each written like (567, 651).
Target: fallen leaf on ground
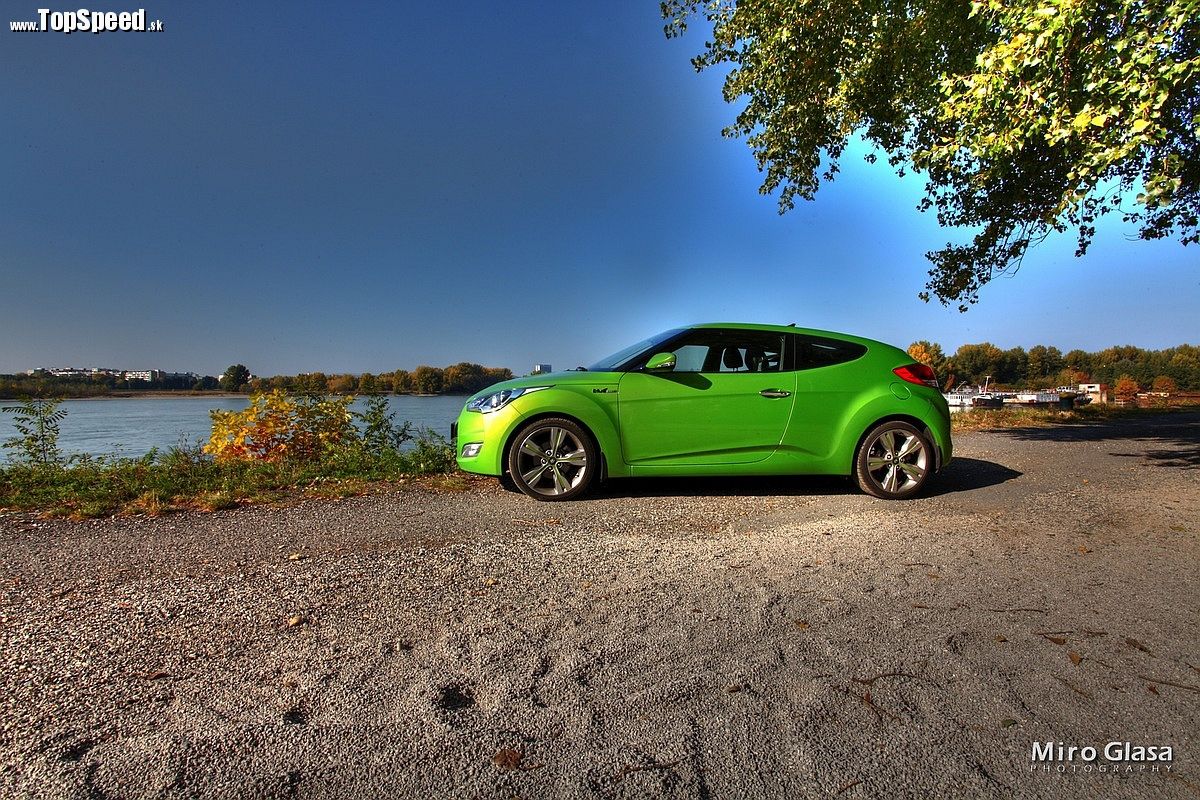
(295, 556)
(802, 624)
(1075, 657)
(1161, 682)
(1001, 638)
(1150, 687)
(1007, 723)
(1084, 550)
(1136, 645)
(508, 759)
(1055, 639)
(295, 620)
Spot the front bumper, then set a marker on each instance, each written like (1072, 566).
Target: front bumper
(483, 436)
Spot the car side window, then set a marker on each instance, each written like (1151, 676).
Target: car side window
(729, 352)
(817, 351)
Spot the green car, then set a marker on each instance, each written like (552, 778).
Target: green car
(719, 399)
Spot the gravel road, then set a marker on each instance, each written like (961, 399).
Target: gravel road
(782, 638)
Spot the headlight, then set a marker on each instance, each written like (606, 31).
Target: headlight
(498, 400)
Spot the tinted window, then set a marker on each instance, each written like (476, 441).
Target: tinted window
(816, 351)
(713, 350)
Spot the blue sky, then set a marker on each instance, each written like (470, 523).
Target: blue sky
(373, 186)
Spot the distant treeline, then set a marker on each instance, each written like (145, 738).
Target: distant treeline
(1046, 367)
(44, 385)
(461, 378)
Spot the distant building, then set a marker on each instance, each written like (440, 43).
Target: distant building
(137, 375)
(538, 369)
(1097, 391)
(75, 372)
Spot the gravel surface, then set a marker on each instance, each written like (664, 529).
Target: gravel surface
(761, 638)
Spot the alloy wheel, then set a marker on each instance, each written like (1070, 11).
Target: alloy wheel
(897, 461)
(551, 461)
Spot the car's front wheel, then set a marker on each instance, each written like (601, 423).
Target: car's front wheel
(894, 461)
(553, 459)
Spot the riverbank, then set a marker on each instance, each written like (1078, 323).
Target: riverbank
(667, 638)
(182, 478)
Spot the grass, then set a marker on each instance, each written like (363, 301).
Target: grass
(186, 479)
(980, 419)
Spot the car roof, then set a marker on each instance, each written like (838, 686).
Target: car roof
(789, 329)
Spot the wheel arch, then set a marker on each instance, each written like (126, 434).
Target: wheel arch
(532, 418)
(916, 422)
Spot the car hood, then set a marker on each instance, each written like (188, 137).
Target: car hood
(551, 379)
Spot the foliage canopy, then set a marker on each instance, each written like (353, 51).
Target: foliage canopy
(1027, 117)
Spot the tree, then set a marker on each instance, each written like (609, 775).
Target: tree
(1070, 377)
(401, 382)
(1043, 362)
(1079, 360)
(367, 383)
(311, 384)
(1126, 388)
(341, 384)
(1165, 384)
(974, 362)
(427, 380)
(1027, 117)
(234, 378)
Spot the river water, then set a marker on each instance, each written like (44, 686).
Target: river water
(131, 427)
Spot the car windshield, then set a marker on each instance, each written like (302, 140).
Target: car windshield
(621, 356)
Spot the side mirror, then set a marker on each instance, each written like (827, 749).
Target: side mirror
(661, 362)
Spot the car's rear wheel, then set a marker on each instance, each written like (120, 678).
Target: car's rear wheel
(553, 459)
(894, 461)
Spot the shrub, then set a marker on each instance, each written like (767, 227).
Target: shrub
(275, 427)
(37, 421)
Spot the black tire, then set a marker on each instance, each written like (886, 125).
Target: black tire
(893, 468)
(564, 465)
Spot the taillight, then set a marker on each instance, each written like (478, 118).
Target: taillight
(917, 373)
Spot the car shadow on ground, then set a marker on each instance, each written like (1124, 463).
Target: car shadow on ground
(962, 475)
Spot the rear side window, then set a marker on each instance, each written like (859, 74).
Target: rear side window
(816, 351)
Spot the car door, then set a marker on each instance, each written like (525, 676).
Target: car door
(728, 401)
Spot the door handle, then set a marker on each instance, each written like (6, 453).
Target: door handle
(775, 393)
